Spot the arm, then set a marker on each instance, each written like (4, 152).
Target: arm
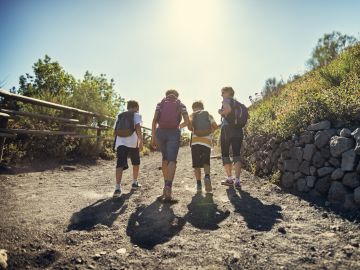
(139, 134)
(226, 109)
(153, 130)
(186, 121)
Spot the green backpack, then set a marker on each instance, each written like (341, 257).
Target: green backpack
(201, 123)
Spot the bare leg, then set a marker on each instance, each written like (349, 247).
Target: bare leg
(206, 169)
(228, 169)
(237, 169)
(164, 169)
(119, 172)
(197, 172)
(136, 169)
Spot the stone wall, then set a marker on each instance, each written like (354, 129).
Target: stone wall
(322, 160)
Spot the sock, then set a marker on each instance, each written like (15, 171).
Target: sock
(134, 181)
(198, 182)
(117, 186)
(237, 180)
(168, 183)
(230, 177)
(207, 176)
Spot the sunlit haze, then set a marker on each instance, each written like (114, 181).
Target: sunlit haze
(195, 47)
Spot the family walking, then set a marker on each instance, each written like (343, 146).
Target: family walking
(170, 116)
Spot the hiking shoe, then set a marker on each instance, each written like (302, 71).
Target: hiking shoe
(198, 187)
(228, 182)
(167, 193)
(208, 187)
(117, 193)
(237, 185)
(135, 185)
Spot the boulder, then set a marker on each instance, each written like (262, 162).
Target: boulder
(337, 192)
(321, 139)
(318, 160)
(325, 153)
(349, 203)
(357, 195)
(320, 126)
(287, 180)
(337, 174)
(356, 134)
(345, 132)
(351, 180)
(296, 153)
(348, 160)
(305, 167)
(301, 185)
(298, 175)
(324, 171)
(310, 181)
(306, 137)
(323, 185)
(339, 145)
(291, 165)
(334, 162)
(313, 170)
(357, 148)
(309, 151)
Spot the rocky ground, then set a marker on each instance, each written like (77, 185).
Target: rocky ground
(67, 219)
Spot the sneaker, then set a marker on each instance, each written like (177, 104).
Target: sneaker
(228, 182)
(208, 187)
(135, 185)
(237, 184)
(167, 193)
(198, 187)
(117, 193)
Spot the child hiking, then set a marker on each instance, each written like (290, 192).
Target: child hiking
(202, 125)
(234, 116)
(128, 143)
(166, 135)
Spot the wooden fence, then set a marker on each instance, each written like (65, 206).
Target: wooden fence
(70, 127)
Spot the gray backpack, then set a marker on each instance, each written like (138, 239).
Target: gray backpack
(201, 123)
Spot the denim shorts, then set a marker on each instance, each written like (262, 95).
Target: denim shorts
(168, 141)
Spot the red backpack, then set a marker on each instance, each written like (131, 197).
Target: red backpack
(170, 112)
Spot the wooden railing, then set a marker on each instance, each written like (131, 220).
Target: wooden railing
(68, 126)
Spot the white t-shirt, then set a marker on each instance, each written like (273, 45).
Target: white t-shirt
(131, 141)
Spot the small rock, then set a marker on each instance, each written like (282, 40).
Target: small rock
(313, 249)
(96, 256)
(319, 126)
(69, 168)
(79, 261)
(282, 230)
(325, 215)
(121, 251)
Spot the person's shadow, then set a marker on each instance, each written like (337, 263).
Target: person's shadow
(258, 216)
(155, 224)
(104, 211)
(203, 212)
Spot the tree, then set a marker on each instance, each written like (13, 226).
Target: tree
(328, 47)
(49, 82)
(271, 85)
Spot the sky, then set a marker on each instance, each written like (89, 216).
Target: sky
(149, 46)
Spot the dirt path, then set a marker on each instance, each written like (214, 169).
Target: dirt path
(67, 220)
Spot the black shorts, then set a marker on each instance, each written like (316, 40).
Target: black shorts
(122, 154)
(200, 155)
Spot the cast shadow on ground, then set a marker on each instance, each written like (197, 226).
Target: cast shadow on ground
(155, 224)
(104, 211)
(204, 213)
(258, 216)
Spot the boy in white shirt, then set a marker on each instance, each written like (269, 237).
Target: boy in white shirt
(128, 143)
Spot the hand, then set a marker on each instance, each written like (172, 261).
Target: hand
(153, 144)
(141, 146)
